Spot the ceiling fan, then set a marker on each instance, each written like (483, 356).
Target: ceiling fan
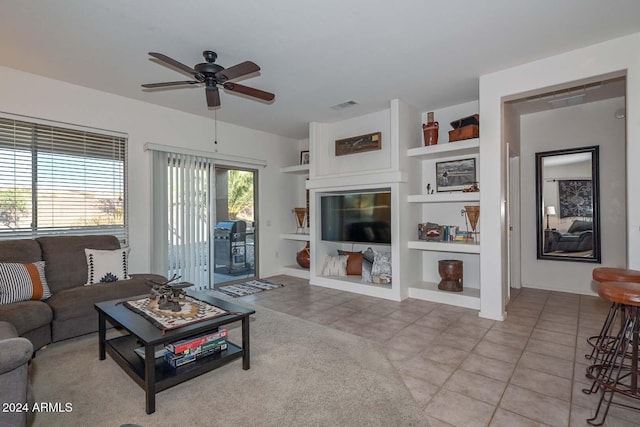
(213, 76)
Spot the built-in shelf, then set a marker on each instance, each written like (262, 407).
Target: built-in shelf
(446, 149)
(356, 285)
(458, 247)
(459, 196)
(295, 236)
(468, 298)
(296, 271)
(296, 169)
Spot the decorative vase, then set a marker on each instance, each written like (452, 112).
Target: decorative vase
(301, 219)
(450, 271)
(430, 130)
(473, 214)
(303, 258)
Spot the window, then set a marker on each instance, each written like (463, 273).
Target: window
(56, 180)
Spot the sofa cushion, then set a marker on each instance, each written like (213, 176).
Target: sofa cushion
(22, 250)
(579, 226)
(7, 330)
(26, 315)
(79, 301)
(66, 262)
(107, 266)
(22, 282)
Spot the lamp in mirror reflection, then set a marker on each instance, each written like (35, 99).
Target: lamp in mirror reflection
(548, 211)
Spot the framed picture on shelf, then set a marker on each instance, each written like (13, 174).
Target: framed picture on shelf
(455, 175)
(304, 157)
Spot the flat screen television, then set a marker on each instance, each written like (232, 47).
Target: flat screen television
(357, 217)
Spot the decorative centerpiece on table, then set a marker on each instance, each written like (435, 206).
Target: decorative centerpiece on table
(169, 307)
(168, 294)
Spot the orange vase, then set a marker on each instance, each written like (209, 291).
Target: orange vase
(303, 258)
(430, 130)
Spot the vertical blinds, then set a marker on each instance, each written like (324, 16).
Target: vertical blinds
(61, 181)
(182, 185)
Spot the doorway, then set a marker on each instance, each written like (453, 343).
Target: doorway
(578, 114)
(235, 232)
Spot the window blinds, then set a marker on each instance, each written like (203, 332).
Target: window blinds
(181, 218)
(55, 180)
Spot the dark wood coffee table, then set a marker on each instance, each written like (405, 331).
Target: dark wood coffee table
(153, 375)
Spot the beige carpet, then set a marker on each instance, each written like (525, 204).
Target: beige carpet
(302, 374)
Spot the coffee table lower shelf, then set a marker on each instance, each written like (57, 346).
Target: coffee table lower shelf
(121, 350)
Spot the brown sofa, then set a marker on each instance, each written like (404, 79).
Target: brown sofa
(69, 312)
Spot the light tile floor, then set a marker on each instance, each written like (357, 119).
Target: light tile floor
(467, 371)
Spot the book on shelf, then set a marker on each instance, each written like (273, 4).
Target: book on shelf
(207, 349)
(189, 343)
(464, 236)
(450, 232)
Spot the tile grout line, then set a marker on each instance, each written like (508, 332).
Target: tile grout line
(517, 363)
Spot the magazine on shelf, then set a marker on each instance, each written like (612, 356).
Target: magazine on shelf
(160, 351)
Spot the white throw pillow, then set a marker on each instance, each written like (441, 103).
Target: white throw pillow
(107, 266)
(335, 265)
(22, 282)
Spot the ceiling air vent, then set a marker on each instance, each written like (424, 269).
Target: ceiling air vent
(344, 105)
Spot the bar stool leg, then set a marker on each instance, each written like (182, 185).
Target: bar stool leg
(597, 341)
(603, 351)
(612, 378)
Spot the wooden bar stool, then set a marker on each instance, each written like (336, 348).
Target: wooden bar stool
(603, 341)
(616, 372)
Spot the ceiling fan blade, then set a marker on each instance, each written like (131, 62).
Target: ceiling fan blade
(167, 84)
(246, 90)
(241, 69)
(213, 96)
(176, 64)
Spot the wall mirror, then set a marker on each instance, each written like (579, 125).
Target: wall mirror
(568, 205)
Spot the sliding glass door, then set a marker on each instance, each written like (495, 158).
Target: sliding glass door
(204, 220)
(235, 228)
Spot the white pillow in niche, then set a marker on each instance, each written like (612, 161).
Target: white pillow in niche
(107, 266)
(381, 264)
(335, 265)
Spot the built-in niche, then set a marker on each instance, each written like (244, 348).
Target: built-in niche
(354, 222)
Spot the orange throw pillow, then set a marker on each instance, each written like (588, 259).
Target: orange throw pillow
(354, 263)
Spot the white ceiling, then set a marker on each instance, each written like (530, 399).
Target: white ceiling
(313, 54)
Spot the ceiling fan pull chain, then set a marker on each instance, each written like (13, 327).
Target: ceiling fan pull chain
(215, 128)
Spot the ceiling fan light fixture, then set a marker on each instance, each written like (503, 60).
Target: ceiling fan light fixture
(212, 75)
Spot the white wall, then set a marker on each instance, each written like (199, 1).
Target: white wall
(573, 127)
(604, 60)
(327, 164)
(39, 97)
